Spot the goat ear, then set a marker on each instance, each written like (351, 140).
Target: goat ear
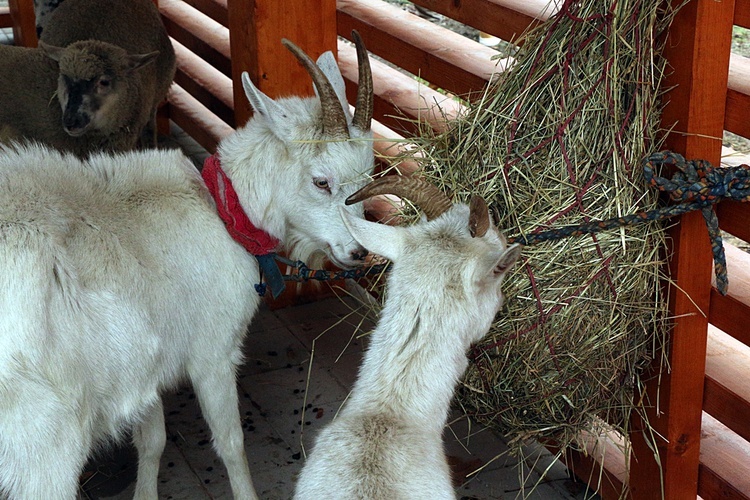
(136, 61)
(261, 103)
(384, 240)
(507, 259)
(327, 64)
(51, 51)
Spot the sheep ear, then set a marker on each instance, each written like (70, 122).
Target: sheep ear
(327, 64)
(262, 104)
(507, 259)
(136, 61)
(54, 53)
(387, 241)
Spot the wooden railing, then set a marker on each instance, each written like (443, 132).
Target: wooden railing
(705, 397)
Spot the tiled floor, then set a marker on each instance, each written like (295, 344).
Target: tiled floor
(300, 364)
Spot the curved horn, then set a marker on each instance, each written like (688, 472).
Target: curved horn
(334, 119)
(479, 217)
(426, 196)
(364, 106)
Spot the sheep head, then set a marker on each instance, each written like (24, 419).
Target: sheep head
(92, 84)
(456, 258)
(304, 156)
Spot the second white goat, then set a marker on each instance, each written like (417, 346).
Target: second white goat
(443, 294)
(118, 279)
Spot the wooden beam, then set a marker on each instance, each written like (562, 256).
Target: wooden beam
(257, 27)
(215, 9)
(23, 22)
(204, 82)
(506, 19)
(5, 20)
(727, 392)
(399, 98)
(198, 33)
(731, 313)
(198, 121)
(742, 13)
(738, 96)
(443, 58)
(725, 463)
(697, 48)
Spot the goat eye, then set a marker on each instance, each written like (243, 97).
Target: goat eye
(104, 82)
(322, 183)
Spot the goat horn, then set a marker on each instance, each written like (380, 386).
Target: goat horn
(479, 217)
(364, 106)
(334, 119)
(426, 196)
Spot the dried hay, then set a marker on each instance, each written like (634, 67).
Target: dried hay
(559, 140)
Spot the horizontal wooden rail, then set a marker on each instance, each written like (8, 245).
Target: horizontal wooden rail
(440, 56)
(5, 20)
(738, 96)
(195, 119)
(215, 9)
(731, 313)
(727, 391)
(199, 33)
(400, 100)
(506, 19)
(742, 13)
(724, 470)
(204, 82)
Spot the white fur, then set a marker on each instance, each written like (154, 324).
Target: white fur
(118, 279)
(443, 293)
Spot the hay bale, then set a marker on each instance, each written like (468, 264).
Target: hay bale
(559, 140)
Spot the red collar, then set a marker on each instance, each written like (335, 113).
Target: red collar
(254, 240)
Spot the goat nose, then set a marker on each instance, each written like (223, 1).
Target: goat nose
(359, 254)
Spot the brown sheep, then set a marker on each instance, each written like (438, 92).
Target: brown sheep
(115, 64)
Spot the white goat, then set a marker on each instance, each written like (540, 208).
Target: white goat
(118, 279)
(443, 293)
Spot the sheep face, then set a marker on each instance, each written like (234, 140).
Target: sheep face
(95, 77)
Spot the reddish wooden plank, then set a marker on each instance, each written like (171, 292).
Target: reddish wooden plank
(738, 96)
(734, 218)
(731, 313)
(727, 391)
(257, 27)
(698, 50)
(23, 22)
(440, 56)
(5, 20)
(196, 31)
(742, 13)
(506, 19)
(725, 462)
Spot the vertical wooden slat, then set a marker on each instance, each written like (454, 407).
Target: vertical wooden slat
(24, 22)
(697, 48)
(256, 29)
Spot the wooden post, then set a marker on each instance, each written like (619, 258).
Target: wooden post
(24, 22)
(697, 48)
(256, 29)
